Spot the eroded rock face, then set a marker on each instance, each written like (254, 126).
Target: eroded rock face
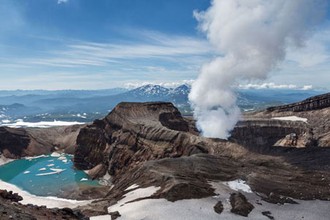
(262, 129)
(19, 142)
(260, 134)
(133, 133)
(313, 103)
(13, 142)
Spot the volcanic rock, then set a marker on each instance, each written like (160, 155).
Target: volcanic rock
(20, 142)
(114, 215)
(218, 208)
(133, 133)
(10, 210)
(313, 133)
(138, 149)
(313, 103)
(9, 195)
(278, 199)
(240, 204)
(13, 142)
(268, 214)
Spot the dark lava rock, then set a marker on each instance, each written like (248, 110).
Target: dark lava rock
(240, 204)
(13, 141)
(268, 214)
(114, 215)
(14, 197)
(279, 199)
(173, 121)
(10, 210)
(218, 208)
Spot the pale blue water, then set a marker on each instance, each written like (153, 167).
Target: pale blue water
(24, 174)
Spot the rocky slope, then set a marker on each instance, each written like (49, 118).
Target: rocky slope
(20, 142)
(11, 209)
(151, 144)
(133, 133)
(316, 110)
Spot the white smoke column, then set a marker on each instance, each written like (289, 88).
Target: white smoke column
(251, 37)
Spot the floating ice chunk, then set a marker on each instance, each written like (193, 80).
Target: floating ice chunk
(26, 172)
(57, 169)
(41, 169)
(50, 165)
(50, 173)
(55, 154)
(31, 158)
(83, 179)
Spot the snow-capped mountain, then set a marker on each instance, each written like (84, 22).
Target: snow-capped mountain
(150, 91)
(71, 105)
(160, 93)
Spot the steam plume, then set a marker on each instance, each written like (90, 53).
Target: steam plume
(251, 37)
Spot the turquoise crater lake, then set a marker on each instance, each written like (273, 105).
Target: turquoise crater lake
(49, 175)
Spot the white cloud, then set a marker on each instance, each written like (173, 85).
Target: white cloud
(62, 1)
(315, 51)
(274, 86)
(175, 49)
(307, 87)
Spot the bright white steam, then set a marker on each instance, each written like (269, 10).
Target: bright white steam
(251, 37)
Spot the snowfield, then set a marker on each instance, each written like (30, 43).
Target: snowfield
(291, 118)
(42, 124)
(196, 209)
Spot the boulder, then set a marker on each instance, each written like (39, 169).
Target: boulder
(240, 204)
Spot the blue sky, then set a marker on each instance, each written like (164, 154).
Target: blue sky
(89, 44)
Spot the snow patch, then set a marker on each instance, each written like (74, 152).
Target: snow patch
(134, 186)
(105, 180)
(196, 209)
(291, 118)
(42, 124)
(133, 195)
(239, 185)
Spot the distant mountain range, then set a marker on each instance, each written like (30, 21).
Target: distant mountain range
(87, 105)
